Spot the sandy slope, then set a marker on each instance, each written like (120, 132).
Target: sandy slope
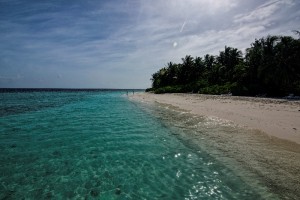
(276, 117)
(271, 158)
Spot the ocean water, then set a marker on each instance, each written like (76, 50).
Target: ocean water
(101, 145)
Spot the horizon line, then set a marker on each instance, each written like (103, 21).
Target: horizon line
(58, 88)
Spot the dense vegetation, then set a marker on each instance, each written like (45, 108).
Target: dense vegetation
(270, 67)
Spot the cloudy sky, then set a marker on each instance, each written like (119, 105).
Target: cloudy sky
(120, 43)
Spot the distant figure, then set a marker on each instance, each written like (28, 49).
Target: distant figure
(127, 93)
(133, 92)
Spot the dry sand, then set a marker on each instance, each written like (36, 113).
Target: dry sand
(264, 149)
(276, 117)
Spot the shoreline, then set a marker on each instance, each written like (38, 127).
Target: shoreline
(278, 118)
(255, 153)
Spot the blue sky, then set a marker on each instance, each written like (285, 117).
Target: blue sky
(120, 43)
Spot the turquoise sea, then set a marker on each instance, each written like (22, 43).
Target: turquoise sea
(94, 144)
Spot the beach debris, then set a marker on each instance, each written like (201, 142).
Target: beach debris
(292, 96)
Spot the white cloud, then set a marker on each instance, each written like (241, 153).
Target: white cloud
(264, 11)
(187, 8)
(111, 45)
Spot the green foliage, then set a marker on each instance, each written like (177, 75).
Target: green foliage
(149, 90)
(217, 89)
(271, 66)
(169, 89)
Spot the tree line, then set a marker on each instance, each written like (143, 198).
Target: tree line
(270, 67)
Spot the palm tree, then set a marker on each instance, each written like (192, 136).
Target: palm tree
(187, 69)
(287, 61)
(227, 60)
(266, 70)
(172, 73)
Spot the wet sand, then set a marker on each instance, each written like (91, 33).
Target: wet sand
(276, 117)
(263, 146)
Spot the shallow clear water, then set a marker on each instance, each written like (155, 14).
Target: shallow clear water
(100, 145)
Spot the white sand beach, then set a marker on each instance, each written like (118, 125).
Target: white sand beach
(276, 117)
(267, 147)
